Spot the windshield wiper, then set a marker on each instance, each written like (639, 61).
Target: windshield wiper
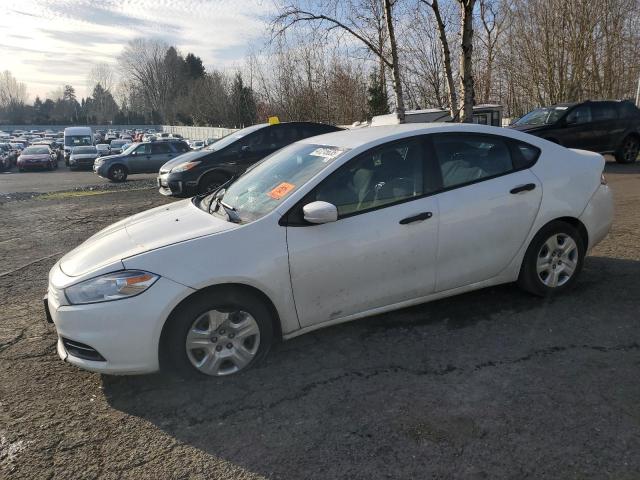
(201, 196)
(228, 209)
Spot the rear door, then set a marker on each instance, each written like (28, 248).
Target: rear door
(487, 206)
(607, 126)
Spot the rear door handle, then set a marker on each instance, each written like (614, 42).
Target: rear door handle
(523, 188)
(416, 218)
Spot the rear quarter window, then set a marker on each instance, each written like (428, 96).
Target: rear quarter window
(523, 155)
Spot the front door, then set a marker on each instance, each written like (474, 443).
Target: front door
(381, 250)
(139, 158)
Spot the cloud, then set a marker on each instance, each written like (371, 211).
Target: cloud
(46, 43)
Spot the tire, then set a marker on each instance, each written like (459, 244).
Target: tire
(628, 150)
(221, 350)
(211, 181)
(543, 273)
(117, 173)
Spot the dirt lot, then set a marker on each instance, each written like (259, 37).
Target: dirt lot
(492, 384)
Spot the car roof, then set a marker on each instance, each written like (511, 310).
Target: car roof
(374, 135)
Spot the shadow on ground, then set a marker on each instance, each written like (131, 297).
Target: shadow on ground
(435, 389)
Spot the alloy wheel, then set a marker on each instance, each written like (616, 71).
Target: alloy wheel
(117, 173)
(222, 342)
(557, 260)
(630, 150)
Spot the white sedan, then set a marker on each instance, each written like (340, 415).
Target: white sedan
(327, 230)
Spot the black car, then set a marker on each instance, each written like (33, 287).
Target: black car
(202, 170)
(599, 126)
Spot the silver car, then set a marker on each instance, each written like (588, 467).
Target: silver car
(83, 157)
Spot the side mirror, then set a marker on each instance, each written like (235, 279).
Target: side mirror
(245, 148)
(320, 212)
(571, 120)
(134, 153)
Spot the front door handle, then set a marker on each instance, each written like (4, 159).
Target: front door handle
(523, 188)
(416, 218)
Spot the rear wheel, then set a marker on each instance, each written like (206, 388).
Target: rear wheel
(628, 151)
(117, 173)
(553, 260)
(220, 334)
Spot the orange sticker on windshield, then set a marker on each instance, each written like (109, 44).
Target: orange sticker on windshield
(281, 190)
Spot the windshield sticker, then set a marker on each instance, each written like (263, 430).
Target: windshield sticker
(281, 190)
(327, 153)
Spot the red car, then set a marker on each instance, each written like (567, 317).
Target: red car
(37, 156)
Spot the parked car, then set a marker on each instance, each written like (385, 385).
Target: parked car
(37, 156)
(199, 171)
(196, 144)
(103, 149)
(146, 157)
(83, 157)
(600, 126)
(116, 145)
(329, 229)
(8, 156)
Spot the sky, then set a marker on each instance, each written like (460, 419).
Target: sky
(48, 43)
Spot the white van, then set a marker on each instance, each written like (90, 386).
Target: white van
(76, 137)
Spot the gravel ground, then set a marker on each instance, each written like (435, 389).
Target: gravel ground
(491, 384)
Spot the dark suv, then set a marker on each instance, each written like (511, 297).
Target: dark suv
(145, 157)
(205, 169)
(599, 126)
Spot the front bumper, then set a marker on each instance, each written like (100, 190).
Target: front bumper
(126, 332)
(174, 187)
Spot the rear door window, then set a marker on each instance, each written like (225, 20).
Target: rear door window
(157, 148)
(469, 158)
(603, 111)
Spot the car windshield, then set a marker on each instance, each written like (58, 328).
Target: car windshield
(130, 148)
(542, 116)
(75, 140)
(264, 186)
(233, 137)
(118, 143)
(84, 150)
(36, 151)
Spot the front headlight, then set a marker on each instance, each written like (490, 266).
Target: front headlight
(183, 167)
(112, 286)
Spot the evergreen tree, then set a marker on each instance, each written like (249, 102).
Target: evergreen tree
(377, 98)
(243, 103)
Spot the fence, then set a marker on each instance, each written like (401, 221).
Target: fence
(198, 133)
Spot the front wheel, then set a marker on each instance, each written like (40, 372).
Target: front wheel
(218, 334)
(553, 260)
(628, 151)
(117, 173)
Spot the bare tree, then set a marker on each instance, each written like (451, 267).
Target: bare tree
(12, 92)
(102, 74)
(346, 16)
(446, 57)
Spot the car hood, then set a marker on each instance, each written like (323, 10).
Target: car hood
(84, 155)
(109, 157)
(529, 128)
(39, 156)
(149, 230)
(185, 157)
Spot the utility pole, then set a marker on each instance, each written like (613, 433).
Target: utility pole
(638, 93)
